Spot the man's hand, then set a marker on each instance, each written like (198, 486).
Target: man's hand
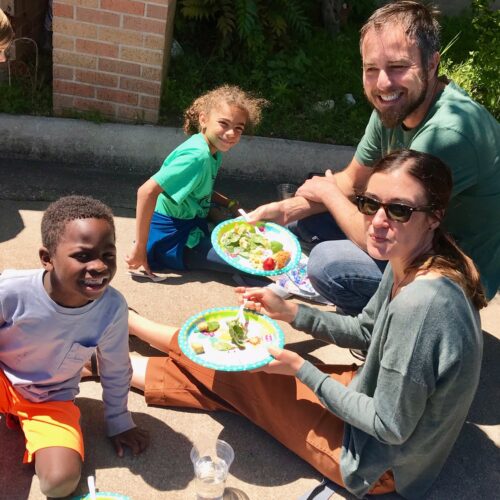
(318, 188)
(286, 211)
(136, 439)
(272, 212)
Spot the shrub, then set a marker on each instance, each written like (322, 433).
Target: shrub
(28, 88)
(477, 73)
(254, 25)
(293, 80)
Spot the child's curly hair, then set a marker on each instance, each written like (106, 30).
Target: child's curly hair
(6, 31)
(229, 94)
(69, 208)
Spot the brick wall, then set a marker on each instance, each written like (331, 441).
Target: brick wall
(110, 56)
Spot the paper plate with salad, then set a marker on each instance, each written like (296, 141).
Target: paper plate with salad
(263, 249)
(218, 339)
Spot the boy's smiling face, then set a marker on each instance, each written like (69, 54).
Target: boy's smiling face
(83, 263)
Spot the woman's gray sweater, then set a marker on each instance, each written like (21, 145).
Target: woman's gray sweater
(406, 405)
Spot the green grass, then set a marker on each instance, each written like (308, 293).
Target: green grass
(293, 81)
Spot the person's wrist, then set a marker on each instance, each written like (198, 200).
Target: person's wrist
(298, 364)
(291, 311)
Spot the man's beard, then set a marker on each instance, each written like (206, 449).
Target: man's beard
(392, 118)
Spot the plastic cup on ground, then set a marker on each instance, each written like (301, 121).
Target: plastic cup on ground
(286, 191)
(211, 466)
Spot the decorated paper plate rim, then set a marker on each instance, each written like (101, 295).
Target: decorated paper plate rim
(102, 494)
(191, 322)
(294, 259)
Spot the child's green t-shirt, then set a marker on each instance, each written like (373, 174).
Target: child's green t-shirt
(187, 178)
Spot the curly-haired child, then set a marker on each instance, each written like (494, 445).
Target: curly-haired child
(173, 205)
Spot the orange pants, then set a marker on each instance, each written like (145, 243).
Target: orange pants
(47, 424)
(281, 405)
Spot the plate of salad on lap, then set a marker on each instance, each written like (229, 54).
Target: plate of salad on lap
(263, 249)
(219, 339)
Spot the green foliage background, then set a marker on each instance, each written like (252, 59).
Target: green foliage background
(478, 71)
(279, 49)
(295, 64)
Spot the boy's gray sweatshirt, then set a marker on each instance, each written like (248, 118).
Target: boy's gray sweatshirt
(406, 405)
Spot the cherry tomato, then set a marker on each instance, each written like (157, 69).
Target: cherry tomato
(269, 264)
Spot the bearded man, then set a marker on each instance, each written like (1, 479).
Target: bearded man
(413, 109)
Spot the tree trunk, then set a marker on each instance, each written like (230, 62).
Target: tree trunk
(330, 10)
(335, 14)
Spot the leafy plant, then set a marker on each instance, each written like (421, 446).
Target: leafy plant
(478, 71)
(293, 80)
(256, 25)
(27, 88)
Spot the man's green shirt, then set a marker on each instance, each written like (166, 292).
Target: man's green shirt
(464, 135)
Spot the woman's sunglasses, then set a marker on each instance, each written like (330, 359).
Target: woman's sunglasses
(396, 212)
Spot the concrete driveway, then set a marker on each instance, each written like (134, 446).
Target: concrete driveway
(263, 469)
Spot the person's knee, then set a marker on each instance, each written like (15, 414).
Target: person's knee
(324, 268)
(59, 478)
(343, 274)
(58, 484)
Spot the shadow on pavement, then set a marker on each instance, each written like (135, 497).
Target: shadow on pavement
(485, 407)
(40, 180)
(11, 464)
(11, 223)
(166, 445)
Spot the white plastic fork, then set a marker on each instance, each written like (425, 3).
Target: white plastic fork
(244, 214)
(91, 485)
(241, 315)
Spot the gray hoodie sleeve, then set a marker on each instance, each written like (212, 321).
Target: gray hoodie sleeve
(344, 331)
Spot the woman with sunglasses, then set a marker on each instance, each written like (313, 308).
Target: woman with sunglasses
(390, 424)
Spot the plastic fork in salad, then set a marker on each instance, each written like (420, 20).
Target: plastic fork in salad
(245, 216)
(92, 490)
(241, 315)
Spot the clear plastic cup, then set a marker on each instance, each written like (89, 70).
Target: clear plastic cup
(286, 191)
(211, 466)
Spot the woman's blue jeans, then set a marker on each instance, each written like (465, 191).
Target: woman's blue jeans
(338, 269)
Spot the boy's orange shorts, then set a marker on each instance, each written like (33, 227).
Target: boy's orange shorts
(47, 424)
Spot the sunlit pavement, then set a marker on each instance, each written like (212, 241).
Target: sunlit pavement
(262, 469)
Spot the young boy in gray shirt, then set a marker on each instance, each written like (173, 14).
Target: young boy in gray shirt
(51, 321)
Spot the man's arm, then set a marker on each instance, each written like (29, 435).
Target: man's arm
(334, 192)
(329, 193)
(286, 211)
